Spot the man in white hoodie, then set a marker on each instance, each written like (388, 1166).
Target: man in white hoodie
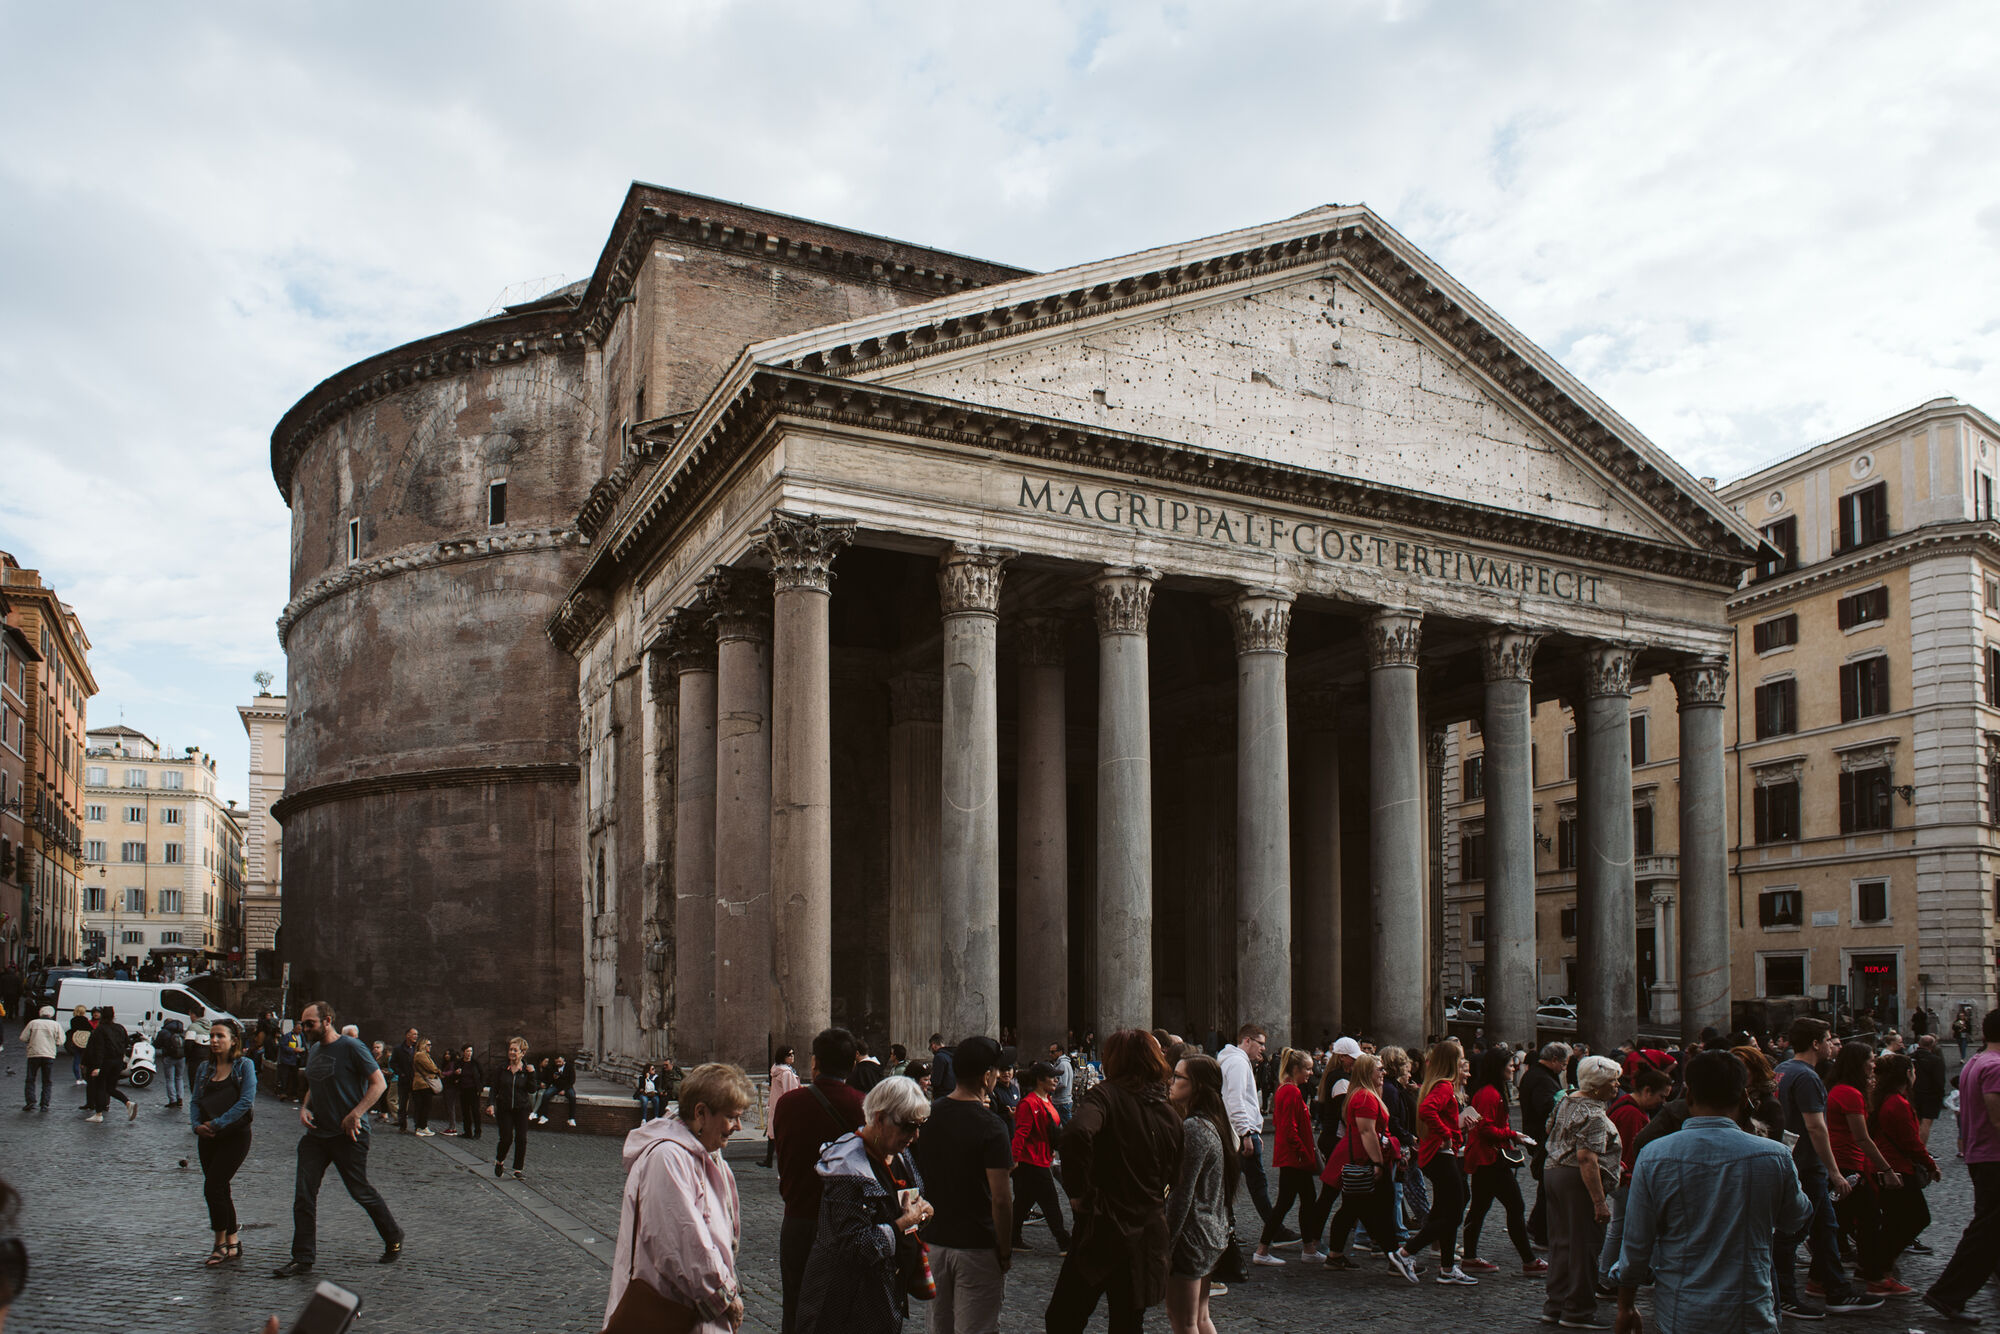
(43, 1037)
(1246, 1114)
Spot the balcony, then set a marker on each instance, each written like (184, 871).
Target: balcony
(1662, 867)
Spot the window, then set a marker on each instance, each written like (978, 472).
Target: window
(1767, 635)
(1785, 975)
(132, 937)
(170, 900)
(1472, 853)
(1572, 756)
(93, 812)
(1475, 779)
(496, 504)
(170, 937)
(1783, 538)
(170, 852)
(1996, 898)
(1864, 516)
(1775, 809)
(135, 899)
(1566, 920)
(1779, 907)
(135, 778)
(1638, 739)
(1642, 831)
(1992, 675)
(1993, 595)
(93, 897)
(1776, 704)
(96, 776)
(132, 852)
(170, 780)
(1864, 689)
(1566, 840)
(170, 815)
(600, 882)
(1478, 928)
(1993, 790)
(1871, 901)
(135, 815)
(353, 540)
(1982, 496)
(1864, 800)
(1864, 608)
(93, 850)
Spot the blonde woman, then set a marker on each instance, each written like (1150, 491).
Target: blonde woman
(1440, 1141)
(428, 1082)
(1579, 1176)
(1296, 1157)
(784, 1078)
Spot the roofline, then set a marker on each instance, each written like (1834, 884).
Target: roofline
(1874, 432)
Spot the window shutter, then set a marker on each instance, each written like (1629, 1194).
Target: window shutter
(1760, 705)
(1845, 608)
(1847, 803)
(1760, 810)
(1878, 677)
(1850, 703)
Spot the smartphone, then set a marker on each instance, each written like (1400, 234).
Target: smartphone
(330, 1311)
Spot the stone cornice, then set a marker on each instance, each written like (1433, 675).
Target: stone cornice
(477, 775)
(1898, 550)
(448, 552)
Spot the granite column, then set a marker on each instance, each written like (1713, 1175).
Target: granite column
(1608, 1000)
(742, 602)
(1396, 830)
(1704, 855)
(1041, 860)
(1509, 783)
(1124, 602)
(1261, 619)
(690, 646)
(969, 824)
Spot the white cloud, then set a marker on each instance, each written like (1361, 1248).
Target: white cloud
(1746, 227)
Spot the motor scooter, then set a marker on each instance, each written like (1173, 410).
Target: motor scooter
(139, 1067)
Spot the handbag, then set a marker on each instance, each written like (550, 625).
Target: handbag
(436, 1084)
(1359, 1179)
(641, 1310)
(1229, 1265)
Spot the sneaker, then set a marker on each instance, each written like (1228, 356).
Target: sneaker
(519, 1175)
(1339, 1262)
(1285, 1235)
(1218, 1289)
(131, 1111)
(1474, 1264)
(1856, 1300)
(1889, 1287)
(1460, 1277)
(572, 1123)
(499, 1167)
(1405, 1265)
(1918, 1248)
(1958, 1317)
(1800, 1311)
(292, 1268)
(1308, 1257)
(1583, 1322)
(426, 1134)
(1535, 1267)
(95, 1118)
(1265, 1260)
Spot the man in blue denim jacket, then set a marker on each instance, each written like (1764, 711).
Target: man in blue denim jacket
(1705, 1202)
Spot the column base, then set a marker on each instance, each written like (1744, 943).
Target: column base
(1666, 1005)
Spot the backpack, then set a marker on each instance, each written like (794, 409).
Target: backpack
(169, 1042)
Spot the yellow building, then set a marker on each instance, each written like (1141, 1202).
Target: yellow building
(1863, 720)
(163, 857)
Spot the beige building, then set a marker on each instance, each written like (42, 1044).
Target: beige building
(162, 855)
(263, 839)
(1863, 720)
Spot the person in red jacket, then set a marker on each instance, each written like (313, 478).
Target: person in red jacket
(1630, 1114)
(1905, 1212)
(1440, 1140)
(1296, 1156)
(1036, 1128)
(1486, 1140)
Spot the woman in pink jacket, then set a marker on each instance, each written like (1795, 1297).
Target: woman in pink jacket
(784, 1078)
(681, 1220)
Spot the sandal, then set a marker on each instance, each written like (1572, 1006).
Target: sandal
(219, 1256)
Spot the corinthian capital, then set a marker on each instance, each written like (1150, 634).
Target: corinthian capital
(1124, 599)
(1393, 638)
(802, 548)
(1607, 670)
(687, 640)
(740, 602)
(1261, 618)
(969, 579)
(1510, 654)
(1702, 683)
(1039, 640)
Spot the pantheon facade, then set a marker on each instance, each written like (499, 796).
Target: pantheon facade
(877, 636)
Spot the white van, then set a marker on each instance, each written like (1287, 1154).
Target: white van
(141, 1006)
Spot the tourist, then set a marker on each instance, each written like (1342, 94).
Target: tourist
(342, 1079)
(1630, 1114)
(104, 1062)
(802, 1123)
(1802, 1095)
(1399, 1096)
(1439, 1143)
(1197, 1210)
(1928, 1084)
(291, 1050)
(471, 1082)
(380, 1055)
(1861, 1160)
(1362, 1167)
(1121, 1157)
(1699, 1213)
(79, 1038)
(870, 1203)
(1892, 1121)
(867, 1071)
(1064, 1098)
(41, 1038)
(1761, 1113)
(966, 1162)
(680, 1220)
(1037, 1124)
(1246, 1116)
(1961, 1029)
(510, 1105)
(1296, 1156)
(1541, 1083)
(225, 1098)
(562, 1084)
(784, 1078)
(447, 1096)
(170, 1054)
(653, 1103)
(1579, 1175)
(425, 1083)
(1493, 1149)
(942, 1078)
(403, 1074)
(1977, 1254)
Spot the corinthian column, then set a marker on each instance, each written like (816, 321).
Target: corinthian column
(1262, 619)
(1704, 883)
(916, 941)
(742, 617)
(1319, 986)
(690, 649)
(1041, 824)
(1124, 600)
(969, 827)
(802, 548)
(1397, 818)
(1510, 838)
(1608, 1009)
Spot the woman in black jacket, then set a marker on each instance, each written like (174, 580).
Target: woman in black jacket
(512, 1105)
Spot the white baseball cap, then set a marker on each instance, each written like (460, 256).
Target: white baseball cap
(1347, 1047)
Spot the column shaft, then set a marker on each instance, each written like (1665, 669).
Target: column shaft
(1124, 601)
(694, 841)
(1511, 966)
(742, 818)
(1319, 926)
(1397, 819)
(1262, 620)
(1041, 860)
(916, 754)
(1609, 1000)
(969, 826)
(802, 548)
(1704, 883)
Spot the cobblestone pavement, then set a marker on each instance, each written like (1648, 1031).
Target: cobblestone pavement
(116, 1230)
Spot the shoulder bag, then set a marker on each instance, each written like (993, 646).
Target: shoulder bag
(641, 1309)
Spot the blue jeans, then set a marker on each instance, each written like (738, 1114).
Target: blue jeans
(1253, 1176)
(1822, 1236)
(37, 1065)
(1064, 1110)
(170, 1080)
(651, 1105)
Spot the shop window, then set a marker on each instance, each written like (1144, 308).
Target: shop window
(1777, 633)
(1864, 689)
(1779, 907)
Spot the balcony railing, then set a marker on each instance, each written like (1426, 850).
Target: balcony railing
(1658, 867)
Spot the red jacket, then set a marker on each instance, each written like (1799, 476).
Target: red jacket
(1036, 1126)
(1895, 1128)
(1362, 1105)
(1630, 1118)
(1437, 1123)
(1490, 1133)
(1292, 1127)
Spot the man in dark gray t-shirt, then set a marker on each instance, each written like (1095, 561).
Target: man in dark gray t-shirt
(342, 1082)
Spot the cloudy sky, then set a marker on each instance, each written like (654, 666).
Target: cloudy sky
(1747, 227)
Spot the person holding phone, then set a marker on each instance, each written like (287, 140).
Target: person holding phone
(866, 1250)
(342, 1083)
(223, 1103)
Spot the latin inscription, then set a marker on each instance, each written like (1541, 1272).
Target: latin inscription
(1325, 543)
